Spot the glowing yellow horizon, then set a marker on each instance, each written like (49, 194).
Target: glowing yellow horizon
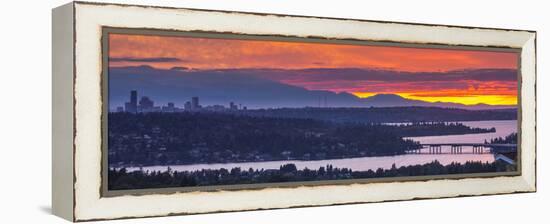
(466, 100)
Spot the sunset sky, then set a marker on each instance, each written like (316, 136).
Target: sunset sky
(438, 70)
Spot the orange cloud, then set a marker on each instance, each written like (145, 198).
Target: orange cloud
(204, 53)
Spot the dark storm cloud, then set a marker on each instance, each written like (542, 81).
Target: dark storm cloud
(396, 76)
(326, 75)
(153, 59)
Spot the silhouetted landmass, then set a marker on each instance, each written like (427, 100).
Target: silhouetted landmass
(418, 129)
(265, 88)
(506, 151)
(387, 114)
(145, 139)
(509, 139)
(120, 179)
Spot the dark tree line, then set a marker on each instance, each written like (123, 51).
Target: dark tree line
(509, 139)
(120, 179)
(416, 129)
(388, 114)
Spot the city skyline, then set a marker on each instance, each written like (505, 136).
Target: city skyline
(147, 105)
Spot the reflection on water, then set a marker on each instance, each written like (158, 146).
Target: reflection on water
(503, 128)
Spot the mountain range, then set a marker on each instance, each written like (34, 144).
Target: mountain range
(253, 88)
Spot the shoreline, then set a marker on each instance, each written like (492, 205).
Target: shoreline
(305, 163)
(123, 179)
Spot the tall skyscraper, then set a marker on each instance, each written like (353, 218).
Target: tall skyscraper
(133, 97)
(233, 106)
(131, 106)
(146, 105)
(195, 103)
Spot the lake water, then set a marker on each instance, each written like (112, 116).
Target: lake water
(503, 128)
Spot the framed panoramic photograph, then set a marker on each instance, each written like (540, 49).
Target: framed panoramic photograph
(182, 111)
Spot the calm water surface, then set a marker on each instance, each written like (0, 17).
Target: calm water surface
(503, 128)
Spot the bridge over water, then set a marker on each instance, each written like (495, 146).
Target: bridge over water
(461, 148)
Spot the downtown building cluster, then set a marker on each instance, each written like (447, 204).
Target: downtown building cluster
(147, 105)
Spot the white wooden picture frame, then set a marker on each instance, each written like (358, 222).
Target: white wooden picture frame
(78, 110)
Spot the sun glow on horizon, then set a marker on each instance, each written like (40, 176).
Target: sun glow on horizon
(465, 99)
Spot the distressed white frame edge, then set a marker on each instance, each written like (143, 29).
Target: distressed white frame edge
(89, 18)
(62, 112)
